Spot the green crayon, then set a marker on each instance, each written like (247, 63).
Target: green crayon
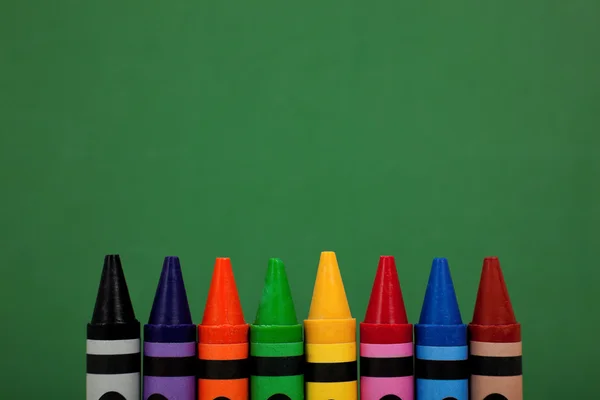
(276, 346)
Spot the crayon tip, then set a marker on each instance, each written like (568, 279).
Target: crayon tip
(329, 299)
(170, 305)
(493, 306)
(276, 305)
(223, 305)
(386, 304)
(440, 306)
(113, 304)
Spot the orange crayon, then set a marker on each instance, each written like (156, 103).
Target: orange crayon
(223, 340)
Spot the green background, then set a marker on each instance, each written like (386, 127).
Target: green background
(273, 128)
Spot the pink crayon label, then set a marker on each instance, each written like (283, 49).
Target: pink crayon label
(386, 350)
(387, 388)
(386, 371)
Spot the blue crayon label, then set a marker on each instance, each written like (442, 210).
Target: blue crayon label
(435, 389)
(442, 353)
(441, 363)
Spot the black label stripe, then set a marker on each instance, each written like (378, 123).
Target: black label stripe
(277, 366)
(109, 364)
(330, 372)
(496, 366)
(222, 369)
(114, 331)
(169, 366)
(113, 396)
(386, 367)
(441, 370)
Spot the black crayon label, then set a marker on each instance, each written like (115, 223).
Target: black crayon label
(277, 366)
(441, 370)
(386, 367)
(114, 331)
(112, 396)
(330, 372)
(169, 366)
(222, 369)
(112, 364)
(496, 366)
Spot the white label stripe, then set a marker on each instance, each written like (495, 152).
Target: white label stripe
(107, 347)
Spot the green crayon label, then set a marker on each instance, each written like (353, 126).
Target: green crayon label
(277, 371)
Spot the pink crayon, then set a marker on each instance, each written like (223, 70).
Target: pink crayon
(386, 340)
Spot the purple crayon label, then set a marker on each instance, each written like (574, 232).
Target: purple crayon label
(171, 388)
(169, 371)
(170, 349)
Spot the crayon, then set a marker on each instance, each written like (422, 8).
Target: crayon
(223, 340)
(386, 340)
(441, 364)
(330, 336)
(276, 346)
(170, 340)
(495, 340)
(113, 339)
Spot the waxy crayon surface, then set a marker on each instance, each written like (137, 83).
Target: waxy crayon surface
(330, 337)
(495, 340)
(170, 340)
(386, 340)
(223, 340)
(276, 345)
(113, 339)
(441, 365)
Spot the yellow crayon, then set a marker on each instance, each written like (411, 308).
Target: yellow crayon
(330, 336)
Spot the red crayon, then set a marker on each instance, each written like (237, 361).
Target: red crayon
(386, 340)
(495, 340)
(223, 340)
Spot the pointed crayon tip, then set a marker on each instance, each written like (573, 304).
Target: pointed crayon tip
(493, 306)
(386, 304)
(440, 306)
(329, 299)
(113, 304)
(223, 305)
(276, 305)
(170, 305)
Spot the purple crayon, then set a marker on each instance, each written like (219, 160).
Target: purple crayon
(170, 340)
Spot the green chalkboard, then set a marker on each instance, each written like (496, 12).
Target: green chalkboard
(274, 128)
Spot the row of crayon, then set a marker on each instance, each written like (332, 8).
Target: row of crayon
(223, 358)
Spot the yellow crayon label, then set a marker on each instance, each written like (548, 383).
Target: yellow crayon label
(331, 353)
(329, 331)
(331, 391)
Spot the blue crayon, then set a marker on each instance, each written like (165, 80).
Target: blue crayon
(441, 348)
(170, 340)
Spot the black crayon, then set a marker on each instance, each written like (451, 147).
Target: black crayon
(113, 340)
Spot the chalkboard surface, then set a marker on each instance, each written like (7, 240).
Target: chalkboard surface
(281, 129)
